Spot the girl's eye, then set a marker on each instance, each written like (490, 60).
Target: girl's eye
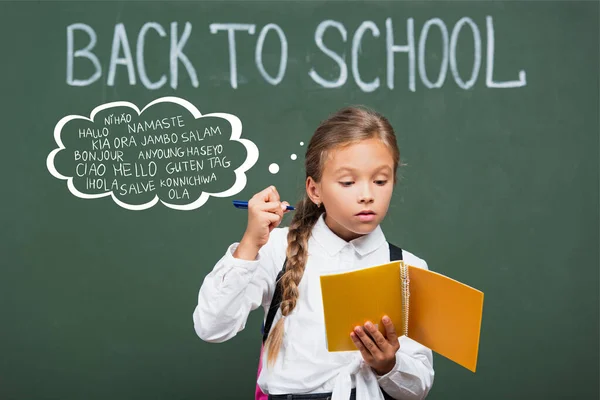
(381, 182)
(346, 183)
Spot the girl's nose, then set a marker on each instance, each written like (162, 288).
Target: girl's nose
(366, 195)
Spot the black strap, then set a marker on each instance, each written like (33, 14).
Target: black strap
(275, 303)
(395, 255)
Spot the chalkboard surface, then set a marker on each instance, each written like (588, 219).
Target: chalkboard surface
(109, 225)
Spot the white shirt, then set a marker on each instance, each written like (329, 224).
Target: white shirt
(304, 365)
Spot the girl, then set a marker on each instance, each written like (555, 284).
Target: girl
(351, 165)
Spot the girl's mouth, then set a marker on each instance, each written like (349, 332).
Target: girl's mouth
(366, 215)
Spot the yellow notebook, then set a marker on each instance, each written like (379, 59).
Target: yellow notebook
(438, 312)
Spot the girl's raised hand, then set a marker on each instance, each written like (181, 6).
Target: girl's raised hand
(379, 352)
(265, 212)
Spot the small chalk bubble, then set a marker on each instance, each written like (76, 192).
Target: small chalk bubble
(293, 156)
(301, 143)
(273, 168)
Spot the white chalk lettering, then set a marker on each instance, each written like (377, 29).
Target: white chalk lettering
(184, 166)
(141, 170)
(96, 184)
(341, 80)
(334, 76)
(100, 144)
(477, 53)
(489, 76)
(172, 152)
(123, 169)
(120, 41)
(84, 53)
(83, 169)
(196, 136)
(231, 28)
(219, 162)
(124, 141)
(176, 195)
(282, 60)
(116, 119)
(209, 150)
(136, 188)
(164, 123)
(176, 54)
(106, 155)
(444, 63)
(93, 133)
(141, 66)
(393, 48)
(356, 45)
(182, 181)
(165, 138)
(192, 152)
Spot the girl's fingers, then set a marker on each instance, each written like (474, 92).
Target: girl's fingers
(273, 206)
(263, 195)
(273, 219)
(268, 208)
(360, 346)
(271, 194)
(378, 338)
(267, 195)
(390, 330)
(369, 344)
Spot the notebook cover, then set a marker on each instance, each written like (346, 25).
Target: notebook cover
(445, 316)
(353, 298)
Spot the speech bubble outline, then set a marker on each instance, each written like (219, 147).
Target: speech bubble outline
(236, 132)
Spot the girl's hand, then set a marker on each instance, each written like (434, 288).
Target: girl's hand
(380, 352)
(265, 212)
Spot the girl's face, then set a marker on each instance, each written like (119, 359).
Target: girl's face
(355, 188)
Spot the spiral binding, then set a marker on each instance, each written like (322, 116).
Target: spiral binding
(405, 296)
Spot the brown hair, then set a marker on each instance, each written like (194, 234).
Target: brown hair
(347, 126)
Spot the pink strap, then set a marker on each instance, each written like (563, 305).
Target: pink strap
(258, 394)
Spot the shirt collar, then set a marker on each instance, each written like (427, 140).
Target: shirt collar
(333, 244)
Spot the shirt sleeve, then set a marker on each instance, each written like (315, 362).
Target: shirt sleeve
(235, 287)
(412, 376)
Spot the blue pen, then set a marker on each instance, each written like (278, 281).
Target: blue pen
(244, 205)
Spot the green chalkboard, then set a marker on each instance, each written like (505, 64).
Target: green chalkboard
(496, 109)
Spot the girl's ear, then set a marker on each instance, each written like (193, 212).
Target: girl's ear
(313, 190)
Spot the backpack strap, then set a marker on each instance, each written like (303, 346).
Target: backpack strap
(275, 303)
(395, 255)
